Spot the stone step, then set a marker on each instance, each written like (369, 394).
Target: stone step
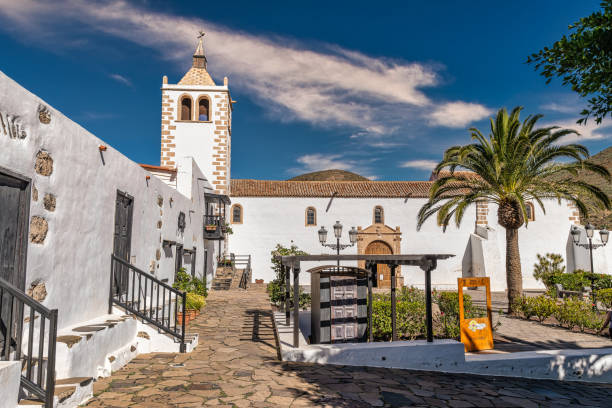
(61, 394)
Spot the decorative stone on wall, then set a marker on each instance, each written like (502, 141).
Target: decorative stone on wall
(44, 116)
(158, 254)
(38, 229)
(159, 224)
(34, 193)
(37, 290)
(11, 126)
(482, 212)
(49, 202)
(160, 200)
(44, 163)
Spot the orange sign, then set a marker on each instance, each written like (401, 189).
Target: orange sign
(477, 332)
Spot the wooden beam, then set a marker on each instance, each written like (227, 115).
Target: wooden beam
(287, 295)
(296, 305)
(373, 271)
(428, 266)
(393, 305)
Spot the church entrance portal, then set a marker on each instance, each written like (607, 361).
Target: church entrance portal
(380, 239)
(383, 276)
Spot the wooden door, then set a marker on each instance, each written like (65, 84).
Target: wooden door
(122, 243)
(179, 259)
(343, 308)
(383, 278)
(14, 215)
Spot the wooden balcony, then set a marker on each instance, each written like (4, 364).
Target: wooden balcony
(214, 227)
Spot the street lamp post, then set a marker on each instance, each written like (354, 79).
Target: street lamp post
(590, 229)
(338, 233)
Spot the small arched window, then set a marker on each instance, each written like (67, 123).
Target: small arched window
(203, 109)
(185, 108)
(530, 211)
(236, 214)
(311, 216)
(379, 215)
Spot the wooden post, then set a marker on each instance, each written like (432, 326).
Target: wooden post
(373, 271)
(287, 295)
(428, 311)
(393, 305)
(296, 305)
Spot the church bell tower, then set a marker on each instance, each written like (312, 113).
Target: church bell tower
(197, 122)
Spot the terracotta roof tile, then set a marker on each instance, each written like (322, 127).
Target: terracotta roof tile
(278, 188)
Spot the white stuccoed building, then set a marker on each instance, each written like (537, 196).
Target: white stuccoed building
(70, 204)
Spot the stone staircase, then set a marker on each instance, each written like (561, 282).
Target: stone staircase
(69, 392)
(224, 278)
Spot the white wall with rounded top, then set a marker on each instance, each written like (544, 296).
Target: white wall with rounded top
(75, 258)
(271, 220)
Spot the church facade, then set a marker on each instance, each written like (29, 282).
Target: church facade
(265, 213)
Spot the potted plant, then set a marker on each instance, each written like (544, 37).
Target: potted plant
(193, 304)
(211, 227)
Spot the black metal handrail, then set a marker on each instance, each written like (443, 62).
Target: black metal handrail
(130, 288)
(243, 260)
(37, 381)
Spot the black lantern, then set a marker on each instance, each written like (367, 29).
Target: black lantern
(338, 230)
(322, 235)
(353, 235)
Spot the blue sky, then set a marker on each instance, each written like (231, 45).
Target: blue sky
(377, 88)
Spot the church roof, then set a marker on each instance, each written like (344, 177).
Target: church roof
(197, 74)
(363, 189)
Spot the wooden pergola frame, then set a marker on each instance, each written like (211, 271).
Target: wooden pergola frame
(427, 262)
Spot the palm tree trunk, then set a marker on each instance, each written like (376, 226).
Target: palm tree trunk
(514, 278)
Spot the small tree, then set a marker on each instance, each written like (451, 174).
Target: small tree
(275, 287)
(547, 268)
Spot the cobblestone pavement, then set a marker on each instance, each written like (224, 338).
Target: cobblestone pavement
(235, 365)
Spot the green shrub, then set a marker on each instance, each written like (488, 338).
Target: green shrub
(410, 319)
(277, 296)
(448, 302)
(547, 268)
(411, 294)
(194, 301)
(573, 281)
(605, 297)
(275, 291)
(600, 281)
(542, 307)
(576, 312)
(187, 283)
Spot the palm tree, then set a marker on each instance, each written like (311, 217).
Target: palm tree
(516, 163)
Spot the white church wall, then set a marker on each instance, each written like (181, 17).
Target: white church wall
(73, 261)
(271, 220)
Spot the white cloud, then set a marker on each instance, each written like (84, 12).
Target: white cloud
(420, 164)
(331, 86)
(121, 79)
(458, 114)
(561, 108)
(590, 131)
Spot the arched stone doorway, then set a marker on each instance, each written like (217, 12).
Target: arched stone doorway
(380, 239)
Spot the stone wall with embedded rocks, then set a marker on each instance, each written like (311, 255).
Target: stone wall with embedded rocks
(72, 209)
